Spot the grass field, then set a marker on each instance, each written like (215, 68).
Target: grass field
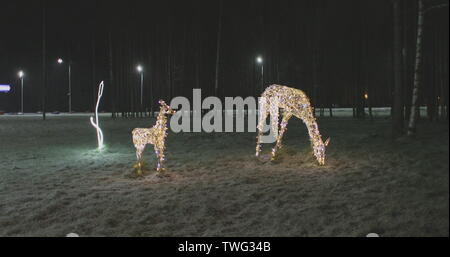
(53, 182)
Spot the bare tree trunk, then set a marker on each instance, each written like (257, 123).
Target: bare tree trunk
(111, 74)
(316, 59)
(445, 79)
(442, 95)
(367, 71)
(407, 89)
(397, 117)
(44, 59)
(197, 47)
(93, 72)
(415, 94)
(219, 32)
(170, 53)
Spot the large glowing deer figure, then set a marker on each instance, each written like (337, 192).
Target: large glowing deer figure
(155, 135)
(293, 102)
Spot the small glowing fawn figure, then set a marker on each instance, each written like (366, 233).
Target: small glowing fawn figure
(155, 135)
(293, 102)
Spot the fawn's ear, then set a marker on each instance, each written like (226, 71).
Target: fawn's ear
(327, 142)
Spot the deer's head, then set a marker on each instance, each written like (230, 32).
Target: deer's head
(319, 151)
(165, 109)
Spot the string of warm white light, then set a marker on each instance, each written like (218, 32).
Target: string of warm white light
(294, 102)
(155, 135)
(95, 124)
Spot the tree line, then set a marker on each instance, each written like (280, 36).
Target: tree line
(341, 53)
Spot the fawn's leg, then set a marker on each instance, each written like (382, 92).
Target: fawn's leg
(284, 122)
(158, 165)
(263, 113)
(161, 158)
(159, 151)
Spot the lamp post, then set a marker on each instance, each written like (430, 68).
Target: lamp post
(141, 72)
(259, 60)
(60, 61)
(21, 75)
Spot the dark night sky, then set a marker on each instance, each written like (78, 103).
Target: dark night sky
(352, 37)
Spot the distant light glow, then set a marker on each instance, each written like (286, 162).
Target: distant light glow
(139, 68)
(20, 74)
(259, 59)
(366, 96)
(5, 88)
(60, 60)
(95, 124)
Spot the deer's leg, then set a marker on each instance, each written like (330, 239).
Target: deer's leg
(263, 113)
(274, 113)
(139, 149)
(284, 122)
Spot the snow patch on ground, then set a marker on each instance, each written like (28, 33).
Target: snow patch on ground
(54, 182)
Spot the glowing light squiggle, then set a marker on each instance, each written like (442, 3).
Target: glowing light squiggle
(95, 124)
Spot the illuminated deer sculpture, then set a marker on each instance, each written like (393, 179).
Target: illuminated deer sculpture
(155, 135)
(293, 102)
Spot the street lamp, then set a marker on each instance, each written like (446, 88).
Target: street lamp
(259, 60)
(61, 61)
(140, 70)
(21, 75)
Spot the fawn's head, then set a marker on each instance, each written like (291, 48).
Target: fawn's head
(165, 109)
(319, 151)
